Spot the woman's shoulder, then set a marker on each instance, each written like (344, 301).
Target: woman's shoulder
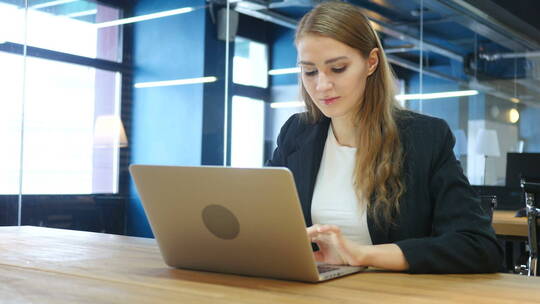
(410, 122)
(419, 132)
(299, 130)
(298, 124)
(296, 120)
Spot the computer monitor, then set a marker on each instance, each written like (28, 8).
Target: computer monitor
(520, 165)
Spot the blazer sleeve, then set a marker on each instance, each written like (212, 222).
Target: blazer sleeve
(284, 143)
(463, 240)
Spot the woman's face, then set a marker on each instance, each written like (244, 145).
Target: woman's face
(334, 74)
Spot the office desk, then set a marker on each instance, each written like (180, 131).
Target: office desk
(42, 265)
(512, 232)
(506, 224)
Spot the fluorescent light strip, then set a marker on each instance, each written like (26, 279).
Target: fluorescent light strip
(294, 70)
(437, 95)
(167, 83)
(287, 104)
(173, 12)
(51, 3)
(82, 14)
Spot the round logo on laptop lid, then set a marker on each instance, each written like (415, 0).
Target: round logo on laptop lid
(221, 222)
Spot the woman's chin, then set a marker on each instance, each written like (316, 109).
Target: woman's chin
(333, 113)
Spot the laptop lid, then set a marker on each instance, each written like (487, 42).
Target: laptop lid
(232, 220)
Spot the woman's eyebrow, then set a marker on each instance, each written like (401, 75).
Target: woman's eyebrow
(326, 62)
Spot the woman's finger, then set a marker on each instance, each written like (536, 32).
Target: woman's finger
(312, 230)
(319, 256)
(328, 228)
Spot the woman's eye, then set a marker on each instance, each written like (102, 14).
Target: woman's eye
(310, 73)
(339, 69)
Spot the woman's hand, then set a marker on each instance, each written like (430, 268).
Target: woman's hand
(334, 248)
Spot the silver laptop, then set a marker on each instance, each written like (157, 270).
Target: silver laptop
(231, 220)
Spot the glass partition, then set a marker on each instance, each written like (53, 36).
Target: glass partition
(90, 87)
(61, 73)
(12, 65)
(78, 27)
(178, 108)
(477, 72)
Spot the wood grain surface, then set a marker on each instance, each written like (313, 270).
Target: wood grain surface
(505, 223)
(43, 265)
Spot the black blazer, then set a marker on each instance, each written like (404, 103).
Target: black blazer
(441, 227)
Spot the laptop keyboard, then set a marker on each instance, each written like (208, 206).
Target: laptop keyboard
(325, 268)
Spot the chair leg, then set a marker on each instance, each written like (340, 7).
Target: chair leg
(532, 222)
(533, 266)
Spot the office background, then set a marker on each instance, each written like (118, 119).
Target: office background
(88, 88)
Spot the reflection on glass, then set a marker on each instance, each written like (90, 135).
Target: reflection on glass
(247, 132)
(508, 89)
(250, 63)
(11, 105)
(469, 72)
(487, 145)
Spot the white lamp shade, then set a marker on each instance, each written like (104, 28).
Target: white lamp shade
(109, 132)
(487, 143)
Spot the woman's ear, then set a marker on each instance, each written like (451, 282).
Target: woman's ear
(373, 60)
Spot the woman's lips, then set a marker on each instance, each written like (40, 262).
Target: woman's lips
(329, 101)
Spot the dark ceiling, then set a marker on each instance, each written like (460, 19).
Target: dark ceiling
(526, 10)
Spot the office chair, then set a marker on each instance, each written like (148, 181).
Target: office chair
(531, 189)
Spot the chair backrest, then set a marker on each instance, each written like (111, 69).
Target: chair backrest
(531, 190)
(488, 203)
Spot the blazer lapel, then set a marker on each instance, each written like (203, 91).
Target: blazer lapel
(305, 163)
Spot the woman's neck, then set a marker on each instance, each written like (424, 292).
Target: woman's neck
(344, 131)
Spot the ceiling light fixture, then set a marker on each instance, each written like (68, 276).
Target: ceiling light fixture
(436, 95)
(166, 83)
(294, 70)
(287, 104)
(162, 14)
(82, 13)
(51, 3)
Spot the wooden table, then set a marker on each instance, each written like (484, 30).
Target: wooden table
(43, 265)
(506, 224)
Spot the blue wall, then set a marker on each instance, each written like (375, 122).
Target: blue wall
(166, 121)
(283, 55)
(183, 125)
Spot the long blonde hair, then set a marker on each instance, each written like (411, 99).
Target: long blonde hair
(379, 157)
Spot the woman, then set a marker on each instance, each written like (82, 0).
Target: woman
(379, 186)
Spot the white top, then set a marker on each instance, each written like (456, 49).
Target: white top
(334, 198)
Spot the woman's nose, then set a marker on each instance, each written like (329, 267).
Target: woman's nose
(323, 82)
